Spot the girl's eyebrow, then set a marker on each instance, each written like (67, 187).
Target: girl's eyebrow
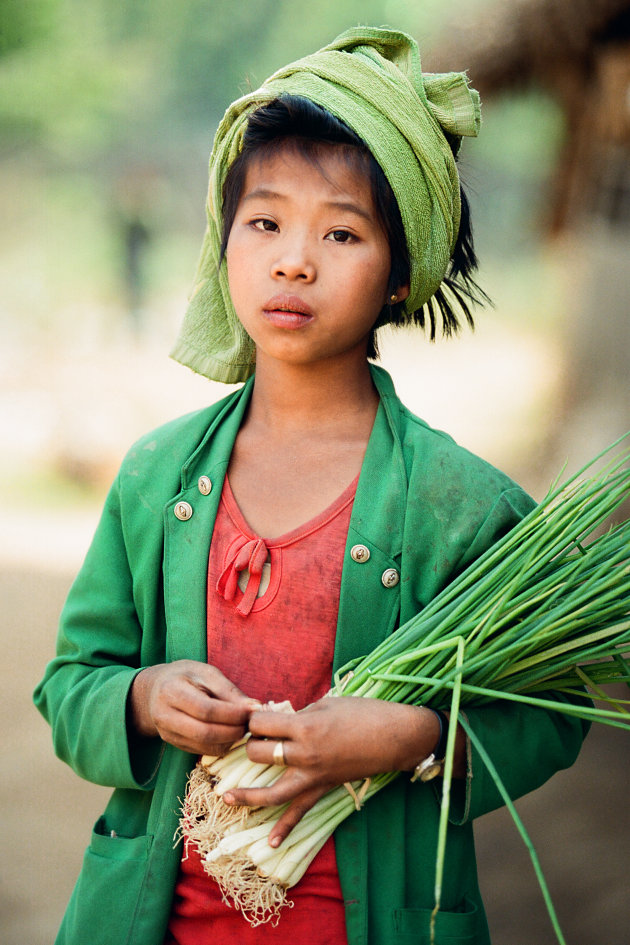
(265, 194)
(350, 208)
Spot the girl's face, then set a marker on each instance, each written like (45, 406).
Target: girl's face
(307, 260)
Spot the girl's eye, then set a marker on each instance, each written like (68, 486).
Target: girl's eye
(341, 236)
(264, 224)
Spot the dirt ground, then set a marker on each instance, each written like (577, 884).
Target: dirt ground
(579, 822)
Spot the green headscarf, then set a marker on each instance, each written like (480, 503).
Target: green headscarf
(372, 80)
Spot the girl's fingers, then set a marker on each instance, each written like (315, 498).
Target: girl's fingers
(190, 705)
(212, 680)
(280, 793)
(293, 815)
(214, 711)
(203, 682)
(201, 711)
(265, 724)
(265, 751)
(288, 787)
(203, 693)
(189, 734)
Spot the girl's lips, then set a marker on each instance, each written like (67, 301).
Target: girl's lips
(287, 311)
(287, 303)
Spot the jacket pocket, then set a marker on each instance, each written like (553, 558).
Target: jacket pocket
(104, 901)
(413, 926)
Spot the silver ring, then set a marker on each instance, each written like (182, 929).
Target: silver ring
(278, 755)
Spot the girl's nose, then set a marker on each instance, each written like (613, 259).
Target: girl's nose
(294, 266)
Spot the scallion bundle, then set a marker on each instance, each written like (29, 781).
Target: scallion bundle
(545, 611)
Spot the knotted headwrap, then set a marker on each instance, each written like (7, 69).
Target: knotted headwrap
(372, 80)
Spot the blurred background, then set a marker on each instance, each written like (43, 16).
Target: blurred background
(107, 113)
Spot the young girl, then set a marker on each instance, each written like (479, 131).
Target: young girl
(249, 550)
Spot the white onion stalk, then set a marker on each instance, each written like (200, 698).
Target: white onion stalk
(233, 840)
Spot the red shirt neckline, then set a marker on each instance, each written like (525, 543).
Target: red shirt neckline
(233, 510)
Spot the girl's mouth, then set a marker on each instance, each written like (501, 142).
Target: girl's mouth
(287, 311)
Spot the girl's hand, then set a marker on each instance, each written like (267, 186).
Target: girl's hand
(335, 740)
(190, 705)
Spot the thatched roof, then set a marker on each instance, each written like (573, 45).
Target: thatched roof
(511, 43)
(579, 52)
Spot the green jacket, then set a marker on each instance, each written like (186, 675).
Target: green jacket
(424, 507)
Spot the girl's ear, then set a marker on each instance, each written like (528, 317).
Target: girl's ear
(399, 295)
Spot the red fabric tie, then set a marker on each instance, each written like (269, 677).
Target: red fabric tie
(249, 556)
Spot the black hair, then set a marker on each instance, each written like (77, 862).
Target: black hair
(309, 127)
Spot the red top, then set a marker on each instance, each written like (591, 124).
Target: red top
(272, 618)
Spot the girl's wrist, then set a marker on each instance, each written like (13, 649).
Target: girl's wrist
(139, 714)
(424, 736)
(420, 733)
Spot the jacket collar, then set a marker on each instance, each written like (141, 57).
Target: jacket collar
(220, 434)
(379, 506)
(187, 541)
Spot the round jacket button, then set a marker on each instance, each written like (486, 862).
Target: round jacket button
(204, 485)
(183, 511)
(390, 577)
(359, 553)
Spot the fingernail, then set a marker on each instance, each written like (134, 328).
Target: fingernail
(274, 842)
(228, 798)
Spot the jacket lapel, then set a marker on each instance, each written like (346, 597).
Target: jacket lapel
(370, 587)
(188, 524)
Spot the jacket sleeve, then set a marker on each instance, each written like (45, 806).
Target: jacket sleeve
(84, 692)
(526, 744)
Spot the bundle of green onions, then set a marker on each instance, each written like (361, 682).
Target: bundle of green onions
(541, 611)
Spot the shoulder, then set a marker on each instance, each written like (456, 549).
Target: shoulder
(169, 446)
(438, 460)
(459, 502)
(441, 456)
(454, 478)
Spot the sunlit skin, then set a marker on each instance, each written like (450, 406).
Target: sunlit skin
(307, 262)
(308, 266)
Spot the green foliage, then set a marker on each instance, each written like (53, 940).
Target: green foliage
(64, 93)
(521, 134)
(23, 24)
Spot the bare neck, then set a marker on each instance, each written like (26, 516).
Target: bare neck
(302, 441)
(322, 398)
